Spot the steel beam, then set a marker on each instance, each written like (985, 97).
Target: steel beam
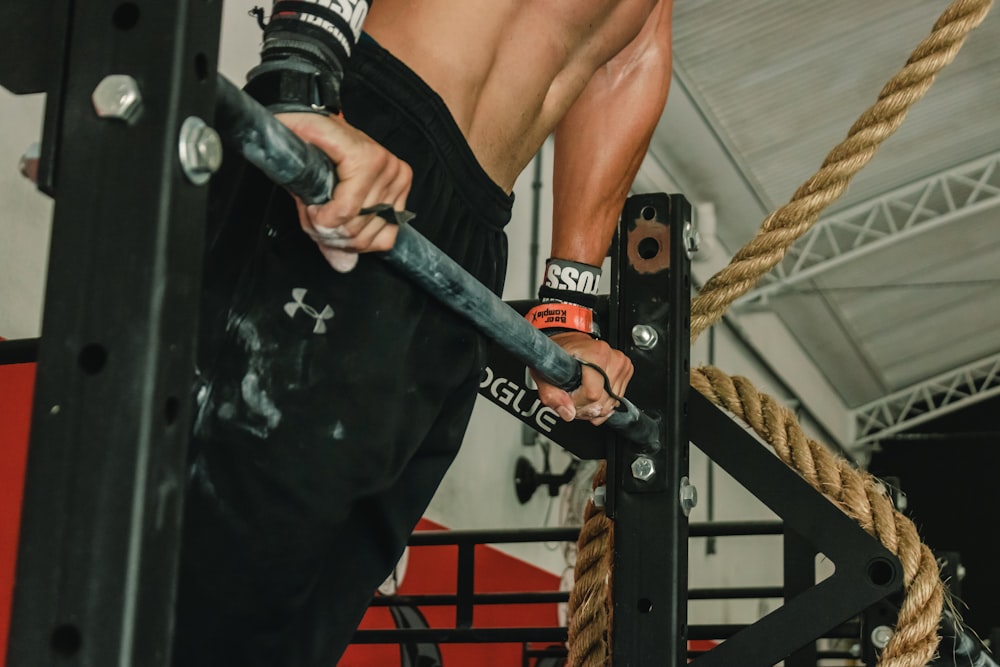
(943, 198)
(926, 400)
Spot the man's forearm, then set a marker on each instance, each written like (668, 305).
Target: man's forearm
(601, 141)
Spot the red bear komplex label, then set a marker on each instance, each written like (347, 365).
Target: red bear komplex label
(562, 316)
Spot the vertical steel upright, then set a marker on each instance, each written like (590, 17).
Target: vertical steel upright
(102, 506)
(799, 576)
(650, 321)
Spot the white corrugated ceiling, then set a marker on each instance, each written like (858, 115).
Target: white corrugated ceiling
(776, 85)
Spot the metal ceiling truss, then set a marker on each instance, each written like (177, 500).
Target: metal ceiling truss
(942, 198)
(926, 400)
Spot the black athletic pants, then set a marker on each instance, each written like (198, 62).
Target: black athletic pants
(330, 405)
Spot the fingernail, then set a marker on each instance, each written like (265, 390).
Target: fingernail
(567, 413)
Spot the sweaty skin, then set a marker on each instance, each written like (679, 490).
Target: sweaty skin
(512, 72)
(507, 69)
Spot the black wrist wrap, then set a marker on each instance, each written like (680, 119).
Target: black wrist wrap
(306, 45)
(570, 282)
(294, 85)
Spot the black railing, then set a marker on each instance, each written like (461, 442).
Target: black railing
(18, 351)
(465, 599)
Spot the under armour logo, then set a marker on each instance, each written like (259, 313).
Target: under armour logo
(298, 304)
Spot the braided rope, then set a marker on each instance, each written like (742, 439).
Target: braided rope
(858, 494)
(789, 222)
(589, 600)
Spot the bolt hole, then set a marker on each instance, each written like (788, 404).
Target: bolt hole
(66, 640)
(648, 212)
(92, 358)
(880, 571)
(649, 248)
(171, 410)
(126, 16)
(645, 606)
(201, 66)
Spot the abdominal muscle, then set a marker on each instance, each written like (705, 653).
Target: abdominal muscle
(507, 69)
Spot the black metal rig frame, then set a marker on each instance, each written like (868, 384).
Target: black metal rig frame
(102, 504)
(651, 288)
(100, 527)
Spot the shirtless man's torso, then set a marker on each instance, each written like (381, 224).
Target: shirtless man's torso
(510, 69)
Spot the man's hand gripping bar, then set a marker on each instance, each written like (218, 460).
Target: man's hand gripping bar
(307, 172)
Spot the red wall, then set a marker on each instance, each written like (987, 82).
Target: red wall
(433, 570)
(17, 385)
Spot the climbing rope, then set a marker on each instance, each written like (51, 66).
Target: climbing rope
(857, 493)
(589, 603)
(786, 224)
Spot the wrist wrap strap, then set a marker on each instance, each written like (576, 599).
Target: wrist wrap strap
(557, 317)
(306, 45)
(293, 85)
(570, 282)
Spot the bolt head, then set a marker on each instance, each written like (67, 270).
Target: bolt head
(28, 164)
(692, 239)
(901, 502)
(643, 468)
(694, 243)
(117, 96)
(688, 496)
(644, 336)
(881, 636)
(208, 149)
(199, 149)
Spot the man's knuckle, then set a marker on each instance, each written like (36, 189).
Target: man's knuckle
(389, 167)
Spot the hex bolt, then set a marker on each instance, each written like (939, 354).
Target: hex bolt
(28, 164)
(643, 468)
(200, 150)
(881, 636)
(644, 336)
(692, 239)
(688, 496)
(901, 502)
(600, 496)
(118, 96)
